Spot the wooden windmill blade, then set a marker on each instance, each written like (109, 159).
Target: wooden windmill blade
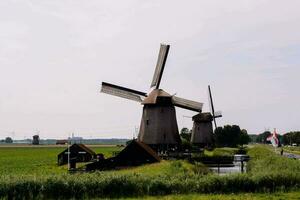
(161, 61)
(122, 92)
(218, 114)
(212, 109)
(187, 104)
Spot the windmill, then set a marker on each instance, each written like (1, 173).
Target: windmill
(202, 132)
(158, 127)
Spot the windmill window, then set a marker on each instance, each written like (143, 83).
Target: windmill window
(147, 121)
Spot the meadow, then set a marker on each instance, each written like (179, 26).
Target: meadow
(33, 173)
(39, 160)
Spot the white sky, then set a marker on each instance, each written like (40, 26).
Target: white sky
(55, 54)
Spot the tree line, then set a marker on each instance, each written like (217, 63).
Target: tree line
(289, 138)
(8, 140)
(231, 136)
(227, 136)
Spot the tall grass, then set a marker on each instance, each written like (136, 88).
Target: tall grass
(225, 151)
(265, 161)
(115, 185)
(267, 172)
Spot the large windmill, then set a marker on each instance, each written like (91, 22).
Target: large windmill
(202, 132)
(158, 126)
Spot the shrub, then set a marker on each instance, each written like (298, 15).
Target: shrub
(200, 169)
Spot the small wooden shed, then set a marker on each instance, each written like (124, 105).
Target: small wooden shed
(78, 152)
(134, 154)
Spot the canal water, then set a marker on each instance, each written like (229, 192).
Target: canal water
(237, 166)
(228, 170)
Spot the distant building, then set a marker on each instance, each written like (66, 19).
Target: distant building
(61, 142)
(36, 140)
(78, 152)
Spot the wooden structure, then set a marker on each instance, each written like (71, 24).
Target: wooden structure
(202, 132)
(134, 154)
(36, 140)
(78, 153)
(158, 108)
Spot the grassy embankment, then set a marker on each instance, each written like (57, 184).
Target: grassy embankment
(226, 151)
(267, 172)
(243, 196)
(295, 150)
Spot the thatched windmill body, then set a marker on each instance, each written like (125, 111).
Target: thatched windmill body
(158, 126)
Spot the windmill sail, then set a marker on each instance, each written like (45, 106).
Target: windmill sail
(161, 61)
(212, 109)
(218, 114)
(273, 138)
(187, 104)
(122, 92)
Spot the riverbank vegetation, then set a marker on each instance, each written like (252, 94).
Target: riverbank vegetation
(266, 172)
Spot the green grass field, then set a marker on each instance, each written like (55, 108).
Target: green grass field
(32, 172)
(38, 160)
(35, 160)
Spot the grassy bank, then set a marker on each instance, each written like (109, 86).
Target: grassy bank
(265, 161)
(267, 172)
(295, 150)
(226, 151)
(245, 196)
(132, 185)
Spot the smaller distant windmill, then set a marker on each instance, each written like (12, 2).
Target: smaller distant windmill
(273, 138)
(36, 138)
(202, 132)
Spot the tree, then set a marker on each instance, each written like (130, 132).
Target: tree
(253, 138)
(262, 138)
(244, 137)
(185, 135)
(231, 136)
(292, 138)
(8, 140)
(220, 137)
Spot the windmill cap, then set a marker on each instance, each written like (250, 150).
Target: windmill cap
(154, 94)
(203, 117)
